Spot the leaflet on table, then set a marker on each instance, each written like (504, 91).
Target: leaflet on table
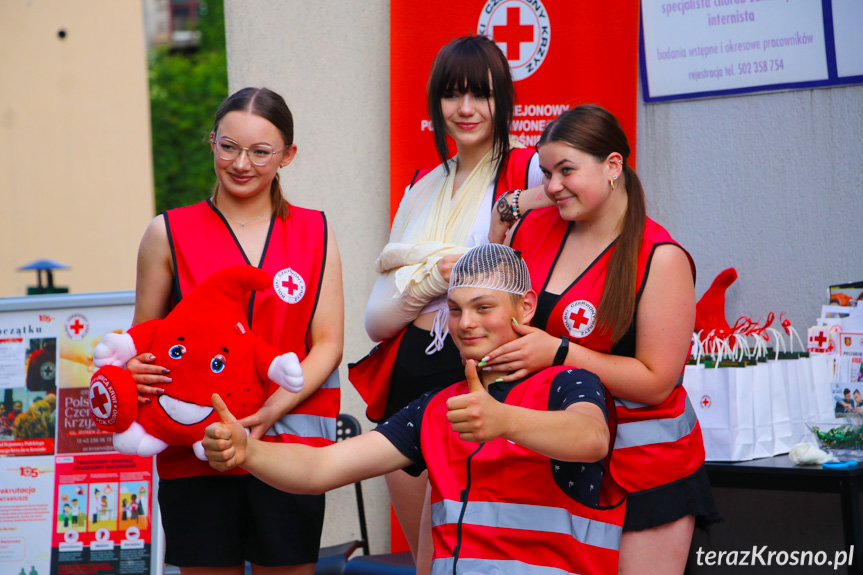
(26, 494)
(847, 384)
(46, 360)
(103, 506)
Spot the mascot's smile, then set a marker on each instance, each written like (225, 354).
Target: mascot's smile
(193, 340)
(183, 412)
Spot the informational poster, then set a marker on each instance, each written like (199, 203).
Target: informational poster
(701, 48)
(561, 54)
(64, 510)
(26, 511)
(46, 360)
(101, 524)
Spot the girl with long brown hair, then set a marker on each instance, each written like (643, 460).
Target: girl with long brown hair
(617, 298)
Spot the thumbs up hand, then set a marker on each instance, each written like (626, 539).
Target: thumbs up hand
(476, 416)
(225, 442)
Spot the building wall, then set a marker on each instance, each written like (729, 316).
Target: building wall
(764, 183)
(76, 180)
(330, 61)
(767, 184)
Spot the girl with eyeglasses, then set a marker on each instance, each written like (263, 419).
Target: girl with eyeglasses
(248, 221)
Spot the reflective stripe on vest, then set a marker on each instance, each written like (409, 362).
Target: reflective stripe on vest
(651, 431)
(304, 425)
(332, 381)
(492, 567)
(529, 517)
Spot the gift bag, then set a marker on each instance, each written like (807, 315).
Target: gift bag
(780, 412)
(722, 398)
(799, 404)
(780, 406)
(808, 395)
(761, 408)
(796, 410)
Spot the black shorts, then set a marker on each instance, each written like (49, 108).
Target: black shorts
(691, 495)
(222, 521)
(415, 373)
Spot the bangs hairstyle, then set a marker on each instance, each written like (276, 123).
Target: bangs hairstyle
(464, 65)
(595, 131)
(270, 106)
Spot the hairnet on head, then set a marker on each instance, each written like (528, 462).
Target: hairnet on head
(491, 266)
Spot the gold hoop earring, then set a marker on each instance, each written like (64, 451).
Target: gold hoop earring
(611, 181)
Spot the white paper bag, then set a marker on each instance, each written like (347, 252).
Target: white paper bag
(780, 411)
(761, 402)
(796, 398)
(722, 398)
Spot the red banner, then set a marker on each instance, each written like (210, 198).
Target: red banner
(561, 53)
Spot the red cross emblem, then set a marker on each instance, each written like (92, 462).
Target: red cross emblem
(522, 31)
(291, 285)
(77, 326)
(513, 33)
(579, 319)
(820, 339)
(706, 401)
(99, 401)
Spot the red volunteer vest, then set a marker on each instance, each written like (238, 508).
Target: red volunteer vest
(656, 444)
(294, 255)
(497, 504)
(371, 375)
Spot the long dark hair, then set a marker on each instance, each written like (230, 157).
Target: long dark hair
(595, 131)
(466, 64)
(269, 105)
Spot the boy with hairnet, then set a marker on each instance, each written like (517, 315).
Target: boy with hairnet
(518, 469)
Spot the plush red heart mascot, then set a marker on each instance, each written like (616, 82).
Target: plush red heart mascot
(208, 347)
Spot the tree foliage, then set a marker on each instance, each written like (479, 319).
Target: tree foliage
(185, 90)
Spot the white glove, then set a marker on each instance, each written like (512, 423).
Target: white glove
(114, 349)
(286, 372)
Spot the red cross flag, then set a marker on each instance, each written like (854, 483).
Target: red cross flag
(561, 53)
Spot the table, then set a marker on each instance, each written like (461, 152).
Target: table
(780, 474)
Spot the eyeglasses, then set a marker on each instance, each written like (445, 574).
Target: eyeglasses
(259, 154)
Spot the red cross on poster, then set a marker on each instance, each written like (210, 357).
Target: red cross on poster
(561, 54)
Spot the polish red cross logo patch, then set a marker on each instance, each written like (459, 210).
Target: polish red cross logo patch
(579, 317)
(103, 400)
(289, 286)
(522, 31)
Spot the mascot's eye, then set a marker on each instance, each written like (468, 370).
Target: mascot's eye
(177, 351)
(218, 364)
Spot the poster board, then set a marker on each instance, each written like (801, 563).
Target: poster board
(707, 48)
(54, 457)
